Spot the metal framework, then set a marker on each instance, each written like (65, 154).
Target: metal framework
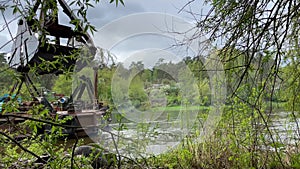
(30, 48)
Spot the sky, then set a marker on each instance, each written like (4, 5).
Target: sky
(139, 28)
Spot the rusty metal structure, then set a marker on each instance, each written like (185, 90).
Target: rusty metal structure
(31, 48)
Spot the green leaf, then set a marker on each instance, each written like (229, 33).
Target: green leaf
(117, 2)
(72, 3)
(15, 10)
(2, 8)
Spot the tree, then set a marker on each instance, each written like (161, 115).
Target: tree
(257, 39)
(63, 85)
(7, 75)
(254, 40)
(252, 27)
(26, 154)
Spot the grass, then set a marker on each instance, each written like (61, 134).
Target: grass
(178, 108)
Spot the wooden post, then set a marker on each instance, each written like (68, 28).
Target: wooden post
(96, 83)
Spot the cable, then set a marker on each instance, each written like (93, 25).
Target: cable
(6, 24)
(12, 40)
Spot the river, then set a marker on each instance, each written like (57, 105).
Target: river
(151, 138)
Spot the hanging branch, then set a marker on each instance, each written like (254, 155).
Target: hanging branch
(22, 147)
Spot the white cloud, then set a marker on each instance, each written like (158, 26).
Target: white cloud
(105, 13)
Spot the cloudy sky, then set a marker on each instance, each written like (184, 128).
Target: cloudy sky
(134, 30)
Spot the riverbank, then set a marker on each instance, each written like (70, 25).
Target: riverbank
(242, 139)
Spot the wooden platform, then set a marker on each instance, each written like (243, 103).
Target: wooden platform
(87, 121)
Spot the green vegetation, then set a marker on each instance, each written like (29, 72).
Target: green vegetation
(155, 79)
(259, 125)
